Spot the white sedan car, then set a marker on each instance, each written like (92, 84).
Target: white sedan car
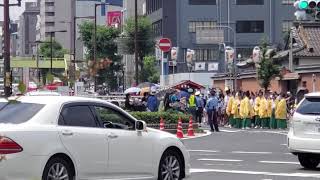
(67, 138)
(304, 133)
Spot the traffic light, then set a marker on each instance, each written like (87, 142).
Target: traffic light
(311, 7)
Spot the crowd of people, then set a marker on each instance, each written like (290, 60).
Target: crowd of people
(241, 109)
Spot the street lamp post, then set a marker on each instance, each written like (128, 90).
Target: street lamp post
(74, 61)
(6, 53)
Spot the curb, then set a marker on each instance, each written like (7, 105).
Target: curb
(207, 133)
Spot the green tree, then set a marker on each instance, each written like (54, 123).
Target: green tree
(22, 87)
(57, 49)
(145, 39)
(106, 49)
(149, 72)
(268, 68)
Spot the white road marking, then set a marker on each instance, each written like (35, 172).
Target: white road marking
(283, 144)
(221, 160)
(288, 154)
(245, 152)
(256, 173)
(206, 151)
(278, 162)
(231, 131)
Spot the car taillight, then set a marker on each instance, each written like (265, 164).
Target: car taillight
(8, 146)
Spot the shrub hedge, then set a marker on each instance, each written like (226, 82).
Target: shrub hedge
(154, 117)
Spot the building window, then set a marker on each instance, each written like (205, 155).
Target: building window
(250, 26)
(205, 55)
(202, 2)
(157, 28)
(50, 14)
(49, 24)
(250, 2)
(286, 26)
(288, 1)
(48, 34)
(49, 3)
(193, 25)
(153, 5)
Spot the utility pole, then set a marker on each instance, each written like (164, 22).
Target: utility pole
(136, 40)
(6, 53)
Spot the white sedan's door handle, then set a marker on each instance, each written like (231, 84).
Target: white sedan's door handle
(67, 133)
(112, 136)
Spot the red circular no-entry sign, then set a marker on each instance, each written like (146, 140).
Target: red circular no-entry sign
(165, 44)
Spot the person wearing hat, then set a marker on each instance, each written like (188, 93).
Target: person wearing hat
(211, 109)
(200, 106)
(152, 103)
(192, 104)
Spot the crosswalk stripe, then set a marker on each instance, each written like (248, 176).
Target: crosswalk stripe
(255, 173)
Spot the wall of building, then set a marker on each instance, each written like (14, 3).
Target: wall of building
(308, 77)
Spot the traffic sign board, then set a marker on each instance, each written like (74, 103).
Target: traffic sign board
(165, 44)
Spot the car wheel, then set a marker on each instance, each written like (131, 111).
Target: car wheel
(170, 167)
(308, 162)
(58, 169)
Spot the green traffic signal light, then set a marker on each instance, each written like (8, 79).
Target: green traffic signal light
(303, 4)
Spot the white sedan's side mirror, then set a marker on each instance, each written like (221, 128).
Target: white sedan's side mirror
(141, 126)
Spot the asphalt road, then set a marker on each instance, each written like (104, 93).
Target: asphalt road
(245, 155)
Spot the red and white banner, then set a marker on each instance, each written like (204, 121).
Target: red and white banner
(114, 19)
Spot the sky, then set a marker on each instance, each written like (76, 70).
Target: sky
(15, 12)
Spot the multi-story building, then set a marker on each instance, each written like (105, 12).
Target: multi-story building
(128, 60)
(85, 8)
(189, 23)
(27, 29)
(57, 15)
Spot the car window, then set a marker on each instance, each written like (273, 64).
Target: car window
(310, 106)
(114, 119)
(77, 116)
(18, 112)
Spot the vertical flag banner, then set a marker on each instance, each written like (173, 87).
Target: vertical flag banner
(114, 19)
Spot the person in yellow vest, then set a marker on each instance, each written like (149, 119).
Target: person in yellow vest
(263, 112)
(256, 109)
(229, 109)
(235, 111)
(252, 113)
(192, 106)
(269, 109)
(245, 107)
(281, 113)
(275, 101)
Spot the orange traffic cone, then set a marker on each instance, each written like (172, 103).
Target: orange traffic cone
(179, 129)
(190, 129)
(161, 124)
